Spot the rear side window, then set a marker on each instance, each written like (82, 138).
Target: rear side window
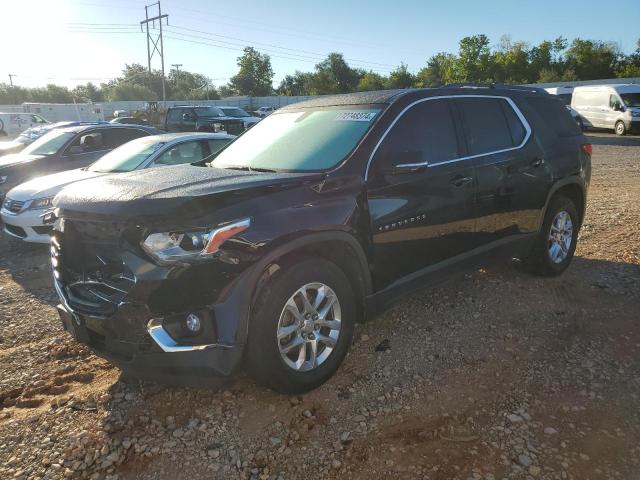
(174, 115)
(515, 125)
(485, 125)
(426, 129)
(114, 137)
(555, 116)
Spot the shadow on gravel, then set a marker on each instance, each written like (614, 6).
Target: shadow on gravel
(613, 140)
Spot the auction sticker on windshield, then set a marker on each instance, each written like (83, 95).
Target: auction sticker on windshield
(356, 116)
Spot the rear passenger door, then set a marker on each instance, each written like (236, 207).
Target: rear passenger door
(421, 215)
(512, 175)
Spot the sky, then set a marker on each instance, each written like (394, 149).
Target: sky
(69, 42)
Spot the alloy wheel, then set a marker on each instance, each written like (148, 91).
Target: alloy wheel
(309, 327)
(560, 237)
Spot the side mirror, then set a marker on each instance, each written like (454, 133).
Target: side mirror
(403, 162)
(75, 150)
(187, 117)
(618, 107)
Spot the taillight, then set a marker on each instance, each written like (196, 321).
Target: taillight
(587, 148)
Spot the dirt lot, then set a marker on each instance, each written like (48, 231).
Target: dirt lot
(496, 374)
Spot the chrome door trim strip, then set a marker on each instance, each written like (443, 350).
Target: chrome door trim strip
(515, 108)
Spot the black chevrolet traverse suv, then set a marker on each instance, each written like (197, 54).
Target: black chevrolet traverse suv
(312, 220)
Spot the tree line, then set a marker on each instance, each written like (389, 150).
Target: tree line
(476, 61)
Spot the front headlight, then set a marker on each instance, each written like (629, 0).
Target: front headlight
(41, 203)
(3, 179)
(191, 245)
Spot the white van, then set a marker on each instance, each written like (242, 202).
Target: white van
(615, 107)
(563, 93)
(13, 124)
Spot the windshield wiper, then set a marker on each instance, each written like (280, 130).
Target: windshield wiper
(247, 168)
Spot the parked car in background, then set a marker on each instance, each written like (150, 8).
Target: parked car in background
(129, 121)
(32, 134)
(23, 207)
(13, 124)
(237, 112)
(120, 113)
(264, 111)
(201, 119)
(613, 107)
(65, 149)
(268, 255)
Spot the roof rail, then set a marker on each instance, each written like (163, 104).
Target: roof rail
(503, 86)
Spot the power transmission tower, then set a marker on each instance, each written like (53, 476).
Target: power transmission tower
(11, 75)
(177, 65)
(155, 40)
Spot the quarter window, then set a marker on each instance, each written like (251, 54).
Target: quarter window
(425, 133)
(555, 116)
(485, 125)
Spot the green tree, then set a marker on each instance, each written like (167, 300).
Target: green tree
(300, 83)
(255, 76)
(440, 70)
(124, 91)
(88, 92)
(592, 59)
(334, 75)
(474, 60)
(400, 78)
(511, 62)
(371, 81)
(51, 94)
(629, 66)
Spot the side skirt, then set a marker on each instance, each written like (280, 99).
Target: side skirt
(510, 247)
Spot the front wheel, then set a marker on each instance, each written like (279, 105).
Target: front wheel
(555, 245)
(302, 327)
(621, 128)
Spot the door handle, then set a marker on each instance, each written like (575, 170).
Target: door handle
(537, 162)
(460, 181)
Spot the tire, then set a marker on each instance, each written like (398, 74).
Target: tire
(621, 128)
(265, 359)
(545, 258)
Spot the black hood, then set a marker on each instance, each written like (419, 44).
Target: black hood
(170, 191)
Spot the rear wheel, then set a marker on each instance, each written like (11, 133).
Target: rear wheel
(302, 327)
(555, 245)
(621, 128)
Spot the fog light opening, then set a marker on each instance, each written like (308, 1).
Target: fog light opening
(193, 323)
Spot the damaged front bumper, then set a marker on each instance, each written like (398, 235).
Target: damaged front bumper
(132, 312)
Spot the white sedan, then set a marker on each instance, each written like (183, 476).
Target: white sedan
(25, 204)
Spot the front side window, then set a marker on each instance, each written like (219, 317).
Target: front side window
(217, 144)
(425, 133)
(305, 140)
(128, 157)
(175, 115)
(114, 137)
(49, 143)
(485, 125)
(631, 99)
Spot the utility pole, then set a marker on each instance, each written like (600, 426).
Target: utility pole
(11, 75)
(155, 40)
(177, 65)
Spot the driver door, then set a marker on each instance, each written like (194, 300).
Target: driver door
(423, 214)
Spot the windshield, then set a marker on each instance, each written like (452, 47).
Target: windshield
(127, 157)
(631, 99)
(300, 141)
(208, 112)
(235, 112)
(49, 143)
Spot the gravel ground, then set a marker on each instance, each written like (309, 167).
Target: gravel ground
(495, 374)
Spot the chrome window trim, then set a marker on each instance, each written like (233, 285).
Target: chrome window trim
(511, 103)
